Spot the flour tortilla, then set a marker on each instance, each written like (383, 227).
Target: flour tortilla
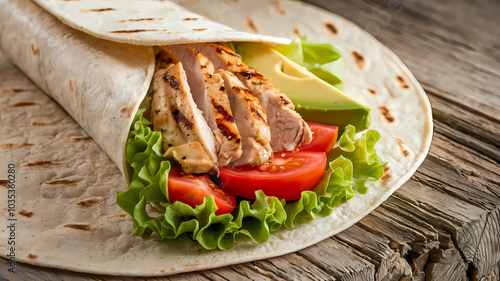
(66, 186)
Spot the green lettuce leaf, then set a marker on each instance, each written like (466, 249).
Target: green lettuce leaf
(323, 60)
(351, 166)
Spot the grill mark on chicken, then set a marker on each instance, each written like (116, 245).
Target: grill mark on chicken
(223, 111)
(286, 102)
(249, 75)
(171, 80)
(228, 133)
(182, 119)
(253, 101)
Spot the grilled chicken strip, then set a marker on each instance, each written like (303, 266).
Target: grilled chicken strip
(198, 154)
(210, 96)
(251, 121)
(161, 113)
(288, 129)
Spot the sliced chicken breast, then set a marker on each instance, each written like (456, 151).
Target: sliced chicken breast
(210, 96)
(194, 158)
(161, 112)
(288, 129)
(251, 121)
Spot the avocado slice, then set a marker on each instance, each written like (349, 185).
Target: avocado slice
(314, 99)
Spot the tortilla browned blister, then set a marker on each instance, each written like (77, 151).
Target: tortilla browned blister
(65, 209)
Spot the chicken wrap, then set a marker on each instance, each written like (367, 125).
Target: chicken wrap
(188, 108)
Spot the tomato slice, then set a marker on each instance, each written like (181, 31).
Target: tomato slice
(191, 189)
(286, 177)
(324, 137)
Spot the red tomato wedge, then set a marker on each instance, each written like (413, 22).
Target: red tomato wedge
(286, 177)
(324, 138)
(191, 189)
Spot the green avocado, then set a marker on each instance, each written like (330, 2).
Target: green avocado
(314, 99)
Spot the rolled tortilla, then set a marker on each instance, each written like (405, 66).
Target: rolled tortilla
(60, 211)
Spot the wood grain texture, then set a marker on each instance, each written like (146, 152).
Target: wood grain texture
(443, 224)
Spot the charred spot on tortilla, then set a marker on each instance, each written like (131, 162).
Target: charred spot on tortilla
(372, 91)
(136, 30)
(4, 183)
(403, 147)
(42, 123)
(26, 214)
(127, 111)
(83, 227)
(40, 163)
(117, 216)
(359, 59)
(386, 178)
(199, 29)
(61, 182)
(143, 19)
(189, 19)
(23, 104)
(387, 113)
(79, 139)
(296, 32)
(278, 8)
(34, 51)
(252, 25)
(15, 145)
(99, 10)
(332, 28)
(16, 91)
(180, 118)
(88, 202)
(402, 82)
(32, 257)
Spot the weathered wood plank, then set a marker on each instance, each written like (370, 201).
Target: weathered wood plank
(389, 264)
(446, 265)
(339, 261)
(291, 266)
(484, 128)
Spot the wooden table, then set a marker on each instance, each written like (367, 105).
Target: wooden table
(444, 224)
